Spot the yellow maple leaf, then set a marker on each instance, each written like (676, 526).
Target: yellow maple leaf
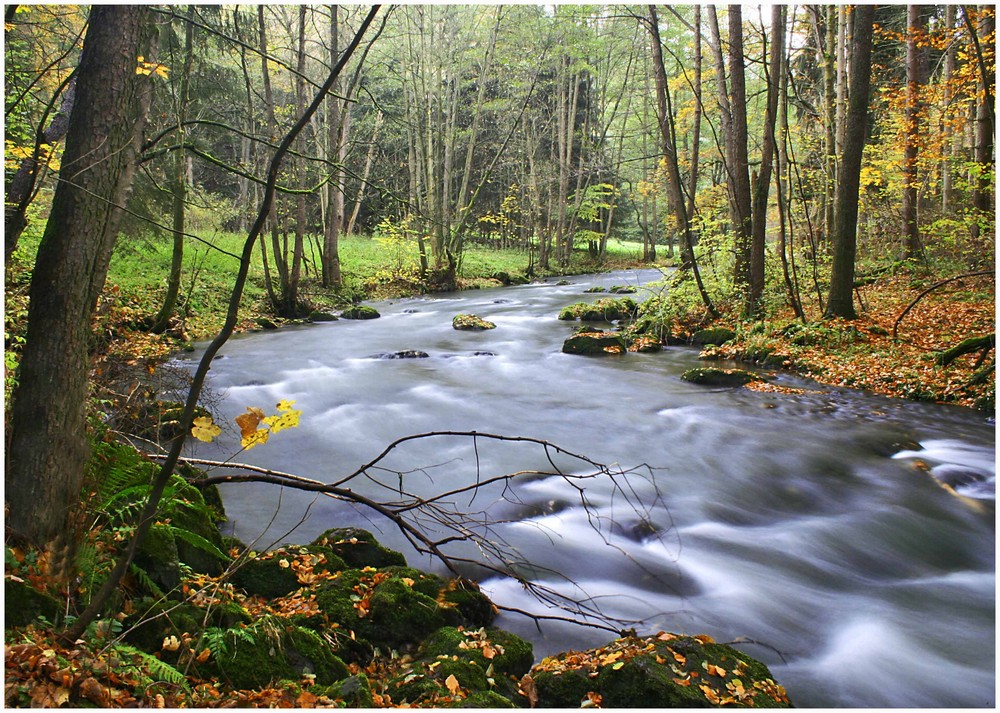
(289, 418)
(204, 430)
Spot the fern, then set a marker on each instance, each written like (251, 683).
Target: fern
(158, 670)
(198, 541)
(145, 580)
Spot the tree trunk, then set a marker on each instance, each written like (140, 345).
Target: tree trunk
(841, 299)
(949, 149)
(738, 159)
(759, 210)
(912, 126)
(335, 187)
(47, 454)
(178, 189)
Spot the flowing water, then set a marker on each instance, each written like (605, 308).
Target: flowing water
(813, 524)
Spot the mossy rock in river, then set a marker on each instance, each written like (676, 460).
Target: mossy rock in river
(23, 604)
(599, 343)
(358, 548)
(318, 316)
(471, 322)
(663, 671)
(711, 376)
(360, 312)
(606, 309)
(508, 654)
(271, 650)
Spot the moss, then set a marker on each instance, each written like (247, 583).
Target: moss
(23, 604)
(158, 557)
(471, 322)
(605, 309)
(352, 692)
(401, 615)
(265, 578)
(564, 689)
(318, 316)
(644, 683)
(474, 607)
(510, 654)
(271, 651)
(483, 699)
(360, 312)
(715, 335)
(359, 548)
(597, 343)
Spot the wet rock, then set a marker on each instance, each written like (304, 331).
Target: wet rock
(622, 290)
(606, 309)
(318, 316)
(360, 312)
(957, 475)
(403, 354)
(594, 343)
(711, 376)
(471, 322)
(265, 323)
(358, 548)
(663, 671)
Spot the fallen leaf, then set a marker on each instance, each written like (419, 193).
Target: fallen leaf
(452, 684)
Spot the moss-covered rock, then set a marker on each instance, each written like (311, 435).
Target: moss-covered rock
(359, 548)
(713, 335)
(318, 316)
(271, 650)
(664, 671)
(360, 312)
(471, 322)
(196, 533)
(23, 604)
(277, 573)
(508, 654)
(606, 309)
(483, 699)
(599, 343)
(352, 692)
(157, 558)
(711, 376)
(622, 290)
(466, 599)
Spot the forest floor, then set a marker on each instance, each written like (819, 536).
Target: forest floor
(863, 353)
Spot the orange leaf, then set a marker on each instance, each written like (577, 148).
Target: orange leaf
(249, 421)
(453, 685)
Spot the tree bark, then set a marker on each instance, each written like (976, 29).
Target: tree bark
(336, 123)
(841, 297)
(178, 189)
(912, 127)
(759, 209)
(47, 454)
(738, 158)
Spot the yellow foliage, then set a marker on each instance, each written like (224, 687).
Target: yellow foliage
(204, 430)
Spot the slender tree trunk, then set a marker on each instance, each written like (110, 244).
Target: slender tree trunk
(982, 199)
(948, 72)
(841, 298)
(334, 188)
(912, 127)
(669, 142)
(696, 121)
(739, 161)
(178, 189)
(365, 173)
(830, 119)
(759, 209)
(47, 453)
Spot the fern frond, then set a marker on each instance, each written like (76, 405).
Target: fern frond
(158, 670)
(198, 541)
(145, 580)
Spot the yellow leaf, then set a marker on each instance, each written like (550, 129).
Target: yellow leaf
(249, 421)
(255, 439)
(288, 419)
(204, 430)
(452, 683)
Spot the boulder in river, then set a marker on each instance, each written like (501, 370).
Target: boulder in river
(360, 312)
(711, 376)
(318, 316)
(402, 354)
(605, 309)
(713, 335)
(471, 322)
(594, 343)
(661, 671)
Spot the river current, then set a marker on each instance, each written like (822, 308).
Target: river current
(815, 525)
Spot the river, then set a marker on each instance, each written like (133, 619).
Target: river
(812, 524)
